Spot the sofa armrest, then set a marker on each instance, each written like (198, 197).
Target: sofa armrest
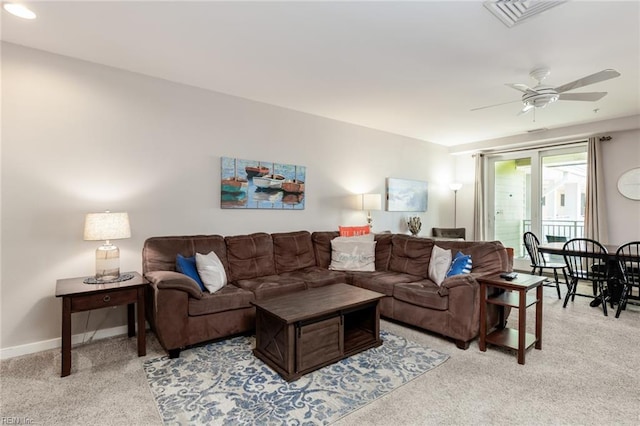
(174, 280)
(462, 280)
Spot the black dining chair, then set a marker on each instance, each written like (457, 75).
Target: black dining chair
(586, 260)
(540, 263)
(628, 260)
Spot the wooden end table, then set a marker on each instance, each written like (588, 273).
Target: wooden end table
(515, 296)
(78, 297)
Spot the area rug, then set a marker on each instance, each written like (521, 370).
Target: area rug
(223, 383)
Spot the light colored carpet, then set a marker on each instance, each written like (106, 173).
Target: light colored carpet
(223, 383)
(586, 374)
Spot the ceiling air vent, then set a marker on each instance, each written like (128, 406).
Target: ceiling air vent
(512, 12)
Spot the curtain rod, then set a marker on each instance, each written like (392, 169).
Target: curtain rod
(531, 147)
(541, 146)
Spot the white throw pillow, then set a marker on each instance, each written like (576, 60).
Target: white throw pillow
(439, 264)
(211, 271)
(353, 253)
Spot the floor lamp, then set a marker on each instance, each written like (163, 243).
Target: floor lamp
(455, 187)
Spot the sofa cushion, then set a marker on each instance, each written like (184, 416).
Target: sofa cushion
(461, 264)
(488, 256)
(316, 276)
(211, 271)
(227, 298)
(293, 251)
(250, 256)
(352, 231)
(322, 247)
(410, 255)
(270, 286)
(382, 281)
(383, 251)
(187, 266)
(421, 293)
(159, 253)
(353, 253)
(439, 264)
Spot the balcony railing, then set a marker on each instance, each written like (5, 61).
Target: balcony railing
(558, 230)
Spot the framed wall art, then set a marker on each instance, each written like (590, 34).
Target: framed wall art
(251, 184)
(405, 195)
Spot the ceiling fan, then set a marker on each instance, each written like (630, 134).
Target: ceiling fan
(542, 95)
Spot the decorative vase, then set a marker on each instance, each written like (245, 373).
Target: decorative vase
(414, 224)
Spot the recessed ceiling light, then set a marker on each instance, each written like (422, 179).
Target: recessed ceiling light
(19, 10)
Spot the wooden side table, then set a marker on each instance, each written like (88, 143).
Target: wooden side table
(516, 297)
(78, 297)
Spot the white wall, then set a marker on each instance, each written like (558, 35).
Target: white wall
(79, 137)
(620, 154)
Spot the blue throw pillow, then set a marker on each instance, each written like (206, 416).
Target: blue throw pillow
(461, 264)
(187, 266)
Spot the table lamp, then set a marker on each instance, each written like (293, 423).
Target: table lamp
(107, 226)
(371, 202)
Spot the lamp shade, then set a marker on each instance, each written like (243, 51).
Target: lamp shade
(455, 186)
(106, 226)
(371, 201)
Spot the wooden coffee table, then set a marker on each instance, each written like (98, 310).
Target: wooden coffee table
(306, 330)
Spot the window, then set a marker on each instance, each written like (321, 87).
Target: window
(541, 190)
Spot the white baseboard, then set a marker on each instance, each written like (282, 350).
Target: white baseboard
(44, 345)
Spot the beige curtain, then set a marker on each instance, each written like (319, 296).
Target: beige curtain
(478, 203)
(595, 216)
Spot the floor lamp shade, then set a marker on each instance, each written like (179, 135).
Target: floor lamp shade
(107, 226)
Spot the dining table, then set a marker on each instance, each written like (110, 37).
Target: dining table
(614, 281)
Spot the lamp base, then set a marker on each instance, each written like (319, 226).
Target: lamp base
(107, 262)
(93, 280)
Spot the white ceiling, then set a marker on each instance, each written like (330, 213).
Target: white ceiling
(409, 68)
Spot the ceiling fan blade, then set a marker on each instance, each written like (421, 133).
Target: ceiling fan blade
(586, 96)
(521, 87)
(526, 109)
(495, 105)
(590, 79)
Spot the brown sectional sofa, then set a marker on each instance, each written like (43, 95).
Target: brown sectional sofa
(264, 265)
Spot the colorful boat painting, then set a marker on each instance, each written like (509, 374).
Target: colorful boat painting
(250, 184)
(234, 185)
(269, 181)
(253, 171)
(234, 189)
(294, 186)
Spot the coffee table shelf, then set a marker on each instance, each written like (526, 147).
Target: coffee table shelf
(357, 338)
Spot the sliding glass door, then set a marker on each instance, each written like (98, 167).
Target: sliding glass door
(542, 191)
